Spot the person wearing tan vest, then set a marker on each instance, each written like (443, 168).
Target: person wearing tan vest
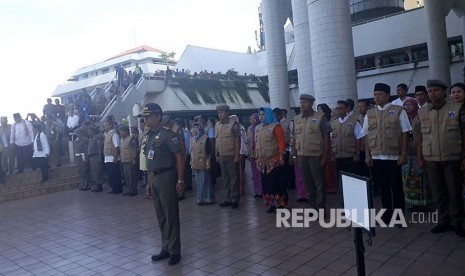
(128, 154)
(228, 144)
(200, 162)
(270, 148)
(386, 128)
(362, 169)
(440, 136)
(111, 151)
(310, 147)
(345, 142)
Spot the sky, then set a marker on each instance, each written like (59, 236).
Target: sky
(43, 42)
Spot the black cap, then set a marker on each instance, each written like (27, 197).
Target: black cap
(436, 83)
(123, 127)
(382, 87)
(151, 108)
(420, 88)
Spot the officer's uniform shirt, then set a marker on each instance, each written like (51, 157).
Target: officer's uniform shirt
(160, 149)
(404, 125)
(400, 102)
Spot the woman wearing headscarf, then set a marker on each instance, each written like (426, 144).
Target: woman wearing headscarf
(200, 150)
(330, 166)
(417, 192)
(256, 178)
(270, 148)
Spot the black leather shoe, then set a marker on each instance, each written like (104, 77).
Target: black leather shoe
(458, 230)
(225, 204)
(440, 228)
(163, 255)
(174, 259)
(234, 205)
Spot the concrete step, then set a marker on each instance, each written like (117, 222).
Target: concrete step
(29, 183)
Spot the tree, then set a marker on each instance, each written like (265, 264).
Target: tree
(167, 58)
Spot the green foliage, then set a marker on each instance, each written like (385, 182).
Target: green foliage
(167, 58)
(263, 89)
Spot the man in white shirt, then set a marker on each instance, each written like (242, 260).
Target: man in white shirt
(41, 151)
(21, 138)
(401, 90)
(421, 95)
(386, 127)
(111, 151)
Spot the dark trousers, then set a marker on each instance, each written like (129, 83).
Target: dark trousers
(188, 173)
(388, 176)
(24, 156)
(165, 201)
(42, 164)
(2, 173)
(361, 167)
(288, 172)
(446, 180)
(312, 174)
(114, 176)
(129, 173)
(343, 165)
(230, 177)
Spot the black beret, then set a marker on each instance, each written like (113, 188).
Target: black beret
(307, 97)
(420, 88)
(382, 87)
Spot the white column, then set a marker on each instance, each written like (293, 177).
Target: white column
(332, 51)
(302, 47)
(275, 54)
(436, 39)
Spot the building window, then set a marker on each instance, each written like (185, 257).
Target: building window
(105, 70)
(420, 53)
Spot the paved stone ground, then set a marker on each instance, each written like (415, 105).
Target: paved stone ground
(82, 233)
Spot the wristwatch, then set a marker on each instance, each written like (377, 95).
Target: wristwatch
(180, 181)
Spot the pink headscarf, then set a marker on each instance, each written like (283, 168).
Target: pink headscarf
(411, 115)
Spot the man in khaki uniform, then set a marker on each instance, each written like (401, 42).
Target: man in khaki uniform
(386, 127)
(228, 144)
(362, 169)
(8, 156)
(128, 161)
(165, 164)
(111, 152)
(310, 146)
(440, 129)
(345, 141)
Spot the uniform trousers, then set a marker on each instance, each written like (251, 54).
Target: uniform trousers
(42, 164)
(96, 170)
(446, 180)
(8, 159)
(312, 174)
(165, 201)
(230, 177)
(388, 176)
(301, 192)
(130, 177)
(83, 169)
(114, 176)
(2, 173)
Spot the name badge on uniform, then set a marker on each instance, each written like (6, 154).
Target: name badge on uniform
(150, 154)
(391, 113)
(270, 130)
(452, 114)
(314, 121)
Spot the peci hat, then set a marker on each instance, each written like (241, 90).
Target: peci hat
(436, 83)
(3, 119)
(223, 107)
(307, 97)
(123, 128)
(420, 88)
(382, 87)
(151, 108)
